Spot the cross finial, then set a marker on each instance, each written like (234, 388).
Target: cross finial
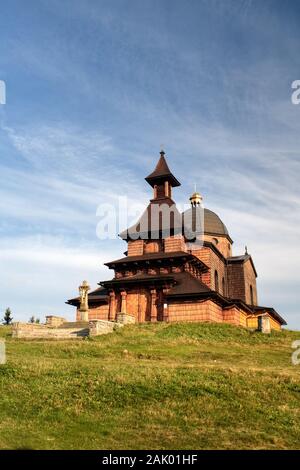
(162, 148)
(195, 187)
(246, 250)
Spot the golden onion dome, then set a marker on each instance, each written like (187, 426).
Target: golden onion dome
(196, 199)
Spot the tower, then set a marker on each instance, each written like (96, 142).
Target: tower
(162, 180)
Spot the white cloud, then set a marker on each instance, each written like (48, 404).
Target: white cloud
(41, 273)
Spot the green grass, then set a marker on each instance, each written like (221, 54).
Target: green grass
(178, 386)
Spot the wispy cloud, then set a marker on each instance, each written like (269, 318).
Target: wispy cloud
(93, 90)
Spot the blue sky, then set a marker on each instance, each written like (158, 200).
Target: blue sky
(95, 87)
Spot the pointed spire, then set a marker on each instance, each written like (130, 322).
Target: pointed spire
(162, 173)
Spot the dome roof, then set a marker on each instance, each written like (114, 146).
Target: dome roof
(196, 199)
(213, 223)
(195, 195)
(189, 222)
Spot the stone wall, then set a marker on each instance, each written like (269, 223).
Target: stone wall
(69, 330)
(101, 327)
(125, 318)
(53, 320)
(35, 331)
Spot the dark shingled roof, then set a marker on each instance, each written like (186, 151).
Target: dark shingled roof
(153, 226)
(162, 172)
(207, 221)
(242, 259)
(271, 311)
(99, 292)
(238, 259)
(213, 223)
(184, 286)
(187, 284)
(156, 256)
(142, 278)
(183, 283)
(97, 295)
(146, 228)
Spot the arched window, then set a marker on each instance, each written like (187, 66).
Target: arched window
(223, 286)
(215, 240)
(152, 247)
(251, 296)
(216, 281)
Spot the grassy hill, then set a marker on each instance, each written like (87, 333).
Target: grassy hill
(177, 386)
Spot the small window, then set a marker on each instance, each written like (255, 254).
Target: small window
(216, 281)
(215, 240)
(223, 286)
(251, 296)
(152, 247)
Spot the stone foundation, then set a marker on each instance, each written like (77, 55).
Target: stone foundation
(125, 318)
(35, 331)
(52, 320)
(56, 329)
(101, 327)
